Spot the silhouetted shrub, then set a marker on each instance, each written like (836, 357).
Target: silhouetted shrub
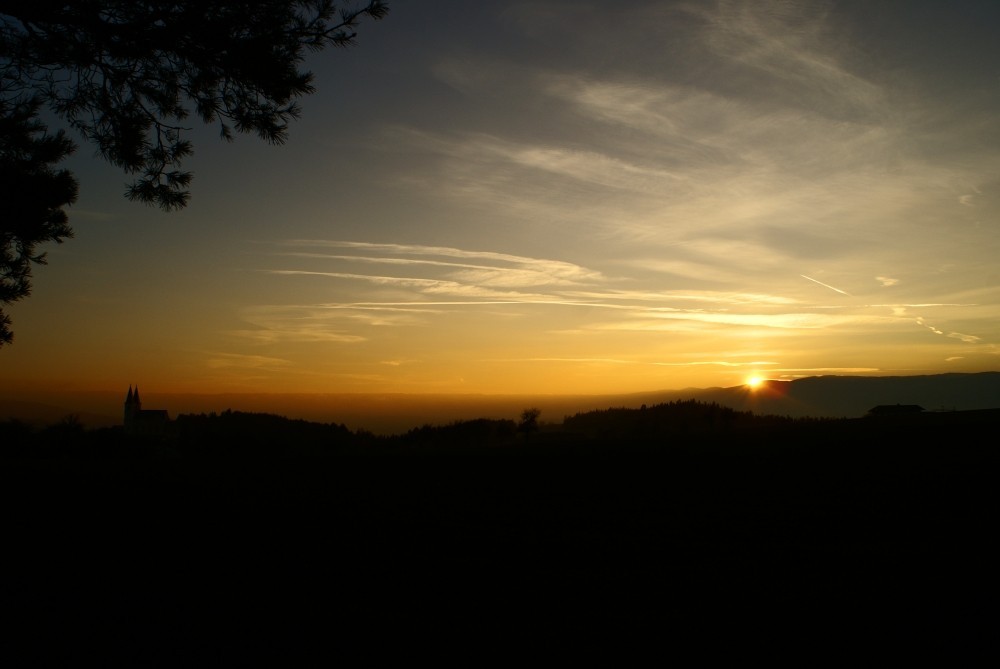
(477, 432)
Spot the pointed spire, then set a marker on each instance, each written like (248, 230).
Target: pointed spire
(128, 398)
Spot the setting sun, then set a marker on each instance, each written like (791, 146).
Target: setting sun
(755, 382)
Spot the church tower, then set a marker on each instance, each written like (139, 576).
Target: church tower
(132, 407)
(146, 422)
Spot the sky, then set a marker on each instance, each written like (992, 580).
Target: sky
(563, 197)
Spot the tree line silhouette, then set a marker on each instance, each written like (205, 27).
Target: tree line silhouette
(246, 527)
(676, 423)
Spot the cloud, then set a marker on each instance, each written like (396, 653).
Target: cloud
(707, 296)
(791, 49)
(653, 363)
(242, 361)
(594, 300)
(303, 323)
(717, 363)
(825, 285)
(651, 320)
(812, 371)
(545, 270)
(304, 333)
(426, 286)
(901, 308)
(484, 274)
(969, 339)
(677, 204)
(920, 321)
(818, 151)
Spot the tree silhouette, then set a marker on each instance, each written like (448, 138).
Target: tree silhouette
(126, 75)
(529, 421)
(32, 194)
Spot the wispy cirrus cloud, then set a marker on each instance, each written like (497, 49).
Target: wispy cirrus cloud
(543, 271)
(218, 360)
(825, 285)
(295, 323)
(653, 320)
(967, 338)
(687, 296)
(765, 185)
(427, 286)
(560, 282)
(790, 44)
(594, 300)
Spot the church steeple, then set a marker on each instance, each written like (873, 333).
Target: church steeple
(147, 422)
(132, 406)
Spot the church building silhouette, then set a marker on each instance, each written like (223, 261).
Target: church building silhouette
(143, 421)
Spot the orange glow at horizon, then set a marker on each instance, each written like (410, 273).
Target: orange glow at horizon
(715, 216)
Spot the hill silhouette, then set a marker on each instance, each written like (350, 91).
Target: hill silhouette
(853, 396)
(240, 534)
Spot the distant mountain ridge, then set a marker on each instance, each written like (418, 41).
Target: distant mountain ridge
(40, 414)
(853, 396)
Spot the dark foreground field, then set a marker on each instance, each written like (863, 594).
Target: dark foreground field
(835, 533)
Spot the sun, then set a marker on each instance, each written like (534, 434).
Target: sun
(754, 382)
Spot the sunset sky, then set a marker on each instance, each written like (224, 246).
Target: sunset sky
(563, 197)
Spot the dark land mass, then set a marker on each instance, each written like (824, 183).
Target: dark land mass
(39, 414)
(388, 414)
(236, 537)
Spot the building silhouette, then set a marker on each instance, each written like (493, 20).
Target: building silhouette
(143, 421)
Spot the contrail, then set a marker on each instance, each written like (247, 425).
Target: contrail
(825, 284)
